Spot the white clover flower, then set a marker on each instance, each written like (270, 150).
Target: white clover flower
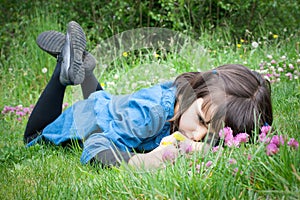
(172, 70)
(261, 71)
(110, 83)
(269, 56)
(104, 66)
(298, 61)
(116, 76)
(254, 44)
(44, 70)
(267, 78)
(133, 85)
(291, 66)
(283, 57)
(280, 69)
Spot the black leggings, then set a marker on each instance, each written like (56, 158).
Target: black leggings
(49, 104)
(49, 107)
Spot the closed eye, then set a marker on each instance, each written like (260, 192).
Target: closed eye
(202, 121)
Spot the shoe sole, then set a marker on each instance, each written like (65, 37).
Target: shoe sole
(52, 42)
(77, 48)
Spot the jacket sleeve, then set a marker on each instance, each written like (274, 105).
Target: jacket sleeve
(111, 157)
(98, 149)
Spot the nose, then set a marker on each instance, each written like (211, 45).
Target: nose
(199, 133)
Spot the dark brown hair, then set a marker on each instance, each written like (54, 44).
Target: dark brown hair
(237, 97)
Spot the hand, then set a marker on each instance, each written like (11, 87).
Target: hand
(169, 149)
(184, 144)
(156, 158)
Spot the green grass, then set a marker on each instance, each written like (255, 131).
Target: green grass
(49, 172)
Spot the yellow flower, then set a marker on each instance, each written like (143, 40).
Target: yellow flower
(125, 54)
(242, 41)
(156, 55)
(275, 36)
(102, 84)
(166, 143)
(178, 136)
(238, 45)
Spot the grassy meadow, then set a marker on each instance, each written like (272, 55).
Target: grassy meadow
(51, 172)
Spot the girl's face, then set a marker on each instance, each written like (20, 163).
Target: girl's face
(194, 122)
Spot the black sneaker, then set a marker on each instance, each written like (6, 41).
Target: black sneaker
(52, 42)
(72, 72)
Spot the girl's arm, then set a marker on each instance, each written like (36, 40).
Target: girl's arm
(169, 149)
(154, 159)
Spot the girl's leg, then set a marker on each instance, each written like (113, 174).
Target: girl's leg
(68, 71)
(90, 83)
(48, 107)
(52, 42)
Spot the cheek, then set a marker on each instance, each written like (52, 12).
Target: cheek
(184, 124)
(200, 133)
(192, 129)
(187, 127)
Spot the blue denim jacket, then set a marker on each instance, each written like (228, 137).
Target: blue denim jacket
(136, 121)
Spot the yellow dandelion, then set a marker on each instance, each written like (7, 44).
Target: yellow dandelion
(125, 54)
(178, 136)
(242, 40)
(275, 36)
(102, 84)
(239, 45)
(156, 55)
(166, 143)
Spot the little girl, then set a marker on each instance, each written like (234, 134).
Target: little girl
(134, 128)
